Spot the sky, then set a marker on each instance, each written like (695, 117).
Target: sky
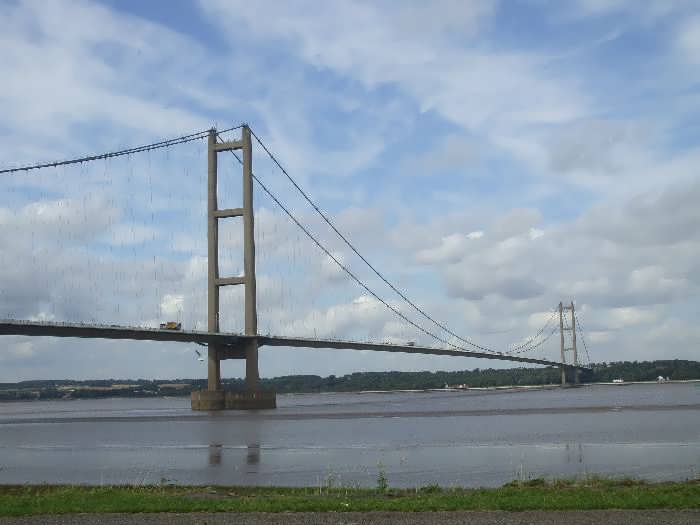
(492, 158)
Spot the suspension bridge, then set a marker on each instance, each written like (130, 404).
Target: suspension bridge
(244, 345)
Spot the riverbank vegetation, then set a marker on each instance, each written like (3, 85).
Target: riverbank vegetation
(532, 495)
(601, 372)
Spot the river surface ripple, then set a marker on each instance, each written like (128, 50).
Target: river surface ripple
(473, 438)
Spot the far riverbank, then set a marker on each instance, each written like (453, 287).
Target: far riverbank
(645, 372)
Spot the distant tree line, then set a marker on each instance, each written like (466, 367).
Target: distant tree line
(645, 370)
(489, 377)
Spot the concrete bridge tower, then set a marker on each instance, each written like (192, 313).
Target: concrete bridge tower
(214, 398)
(572, 348)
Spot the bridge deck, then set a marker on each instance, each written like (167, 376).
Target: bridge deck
(47, 329)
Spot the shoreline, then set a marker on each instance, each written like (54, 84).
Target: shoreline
(503, 388)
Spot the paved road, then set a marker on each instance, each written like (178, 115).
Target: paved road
(50, 329)
(591, 517)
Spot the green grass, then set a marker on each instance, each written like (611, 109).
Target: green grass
(534, 495)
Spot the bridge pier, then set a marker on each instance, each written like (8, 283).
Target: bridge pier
(216, 398)
(252, 375)
(213, 369)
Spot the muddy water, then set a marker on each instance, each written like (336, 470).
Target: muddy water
(450, 438)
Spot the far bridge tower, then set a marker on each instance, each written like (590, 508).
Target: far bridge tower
(571, 328)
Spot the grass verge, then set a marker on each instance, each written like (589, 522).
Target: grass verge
(534, 495)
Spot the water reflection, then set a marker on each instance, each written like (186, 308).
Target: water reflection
(574, 452)
(215, 450)
(253, 457)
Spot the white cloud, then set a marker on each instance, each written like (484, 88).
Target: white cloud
(536, 233)
(63, 45)
(515, 223)
(649, 10)
(653, 217)
(450, 250)
(453, 155)
(330, 269)
(472, 87)
(688, 40)
(18, 352)
(359, 319)
(617, 318)
(171, 305)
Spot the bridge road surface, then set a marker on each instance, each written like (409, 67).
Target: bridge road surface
(48, 329)
(572, 517)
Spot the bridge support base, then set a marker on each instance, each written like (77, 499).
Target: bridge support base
(208, 400)
(224, 400)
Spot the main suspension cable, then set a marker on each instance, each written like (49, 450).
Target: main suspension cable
(349, 272)
(138, 149)
(522, 347)
(362, 257)
(540, 343)
(583, 339)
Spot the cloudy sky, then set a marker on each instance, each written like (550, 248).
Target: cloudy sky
(492, 158)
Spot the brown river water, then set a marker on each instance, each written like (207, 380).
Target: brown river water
(471, 438)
